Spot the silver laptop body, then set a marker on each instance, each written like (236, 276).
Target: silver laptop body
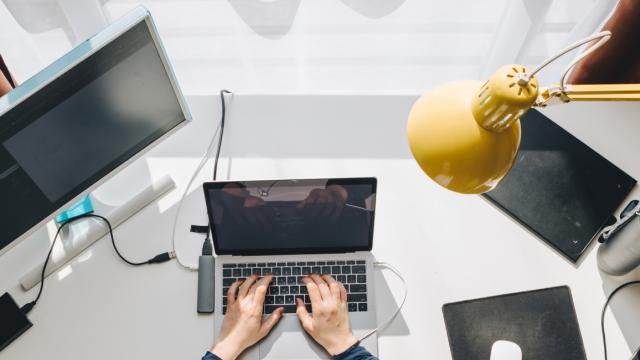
(353, 268)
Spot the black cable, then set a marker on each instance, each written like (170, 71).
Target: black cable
(222, 118)
(206, 246)
(44, 267)
(106, 221)
(160, 258)
(604, 310)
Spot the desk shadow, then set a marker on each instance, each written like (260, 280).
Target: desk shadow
(386, 306)
(624, 306)
(270, 19)
(374, 9)
(296, 127)
(324, 127)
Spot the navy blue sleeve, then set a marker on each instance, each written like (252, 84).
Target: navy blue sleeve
(358, 353)
(210, 356)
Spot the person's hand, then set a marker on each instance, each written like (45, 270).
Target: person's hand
(243, 325)
(324, 203)
(245, 208)
(7, 82)
(5, 86)
(329, 325)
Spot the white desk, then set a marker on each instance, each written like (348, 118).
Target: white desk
(449, 247)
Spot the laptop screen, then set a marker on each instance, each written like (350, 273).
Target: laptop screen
(291, 216)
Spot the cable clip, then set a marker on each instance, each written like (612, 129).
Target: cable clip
(200, 229)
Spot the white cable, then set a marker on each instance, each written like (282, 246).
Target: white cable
(604, 36)
(203, 161)
(404, 298)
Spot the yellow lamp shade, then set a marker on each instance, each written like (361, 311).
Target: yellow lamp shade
(465, 135)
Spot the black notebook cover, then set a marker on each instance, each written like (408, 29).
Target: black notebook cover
(560, 188)
(542, 322)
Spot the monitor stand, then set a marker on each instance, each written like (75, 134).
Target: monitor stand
(80, 235)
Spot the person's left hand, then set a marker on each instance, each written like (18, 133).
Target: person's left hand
(245, 208)
(243, 325)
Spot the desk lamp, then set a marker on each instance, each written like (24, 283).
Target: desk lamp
(465, 135)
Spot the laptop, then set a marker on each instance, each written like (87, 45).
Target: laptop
(292, 228)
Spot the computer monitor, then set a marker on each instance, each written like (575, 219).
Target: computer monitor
(91, 112)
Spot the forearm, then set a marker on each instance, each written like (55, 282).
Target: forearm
(357, 353)
(618, 61)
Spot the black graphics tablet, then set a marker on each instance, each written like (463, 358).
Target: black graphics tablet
(559, 188)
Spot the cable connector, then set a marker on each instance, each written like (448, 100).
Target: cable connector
(164, 257)
(200, 229)
(207, 248)
(26, 308)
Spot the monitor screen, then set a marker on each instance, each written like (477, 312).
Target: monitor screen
(81, 126)
(291, 216)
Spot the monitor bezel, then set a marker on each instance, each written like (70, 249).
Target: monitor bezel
(76, 56)
(216, 185)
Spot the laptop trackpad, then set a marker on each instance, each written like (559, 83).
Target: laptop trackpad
(289, 341)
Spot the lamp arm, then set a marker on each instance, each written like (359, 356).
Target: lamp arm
(588, 92)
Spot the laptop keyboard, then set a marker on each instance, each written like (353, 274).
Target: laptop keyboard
(287, 285)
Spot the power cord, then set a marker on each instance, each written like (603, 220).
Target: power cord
(203, 161)
(223, 115)
(404, 298)
(160, 258)
(604, 310)
(207, 248)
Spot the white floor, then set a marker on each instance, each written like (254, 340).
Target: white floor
(295, 46)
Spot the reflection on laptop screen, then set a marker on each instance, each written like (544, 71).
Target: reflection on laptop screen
(291, 216)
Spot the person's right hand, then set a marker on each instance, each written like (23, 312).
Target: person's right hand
(329, 325)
